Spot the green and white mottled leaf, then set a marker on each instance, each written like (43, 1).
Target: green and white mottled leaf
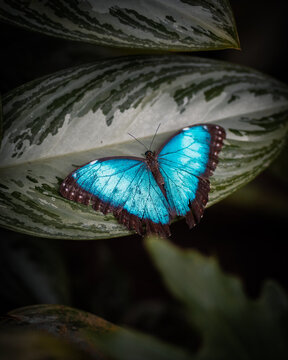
(151, 24)
(69, 118)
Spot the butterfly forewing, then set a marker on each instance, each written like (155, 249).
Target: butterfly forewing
(186, 161)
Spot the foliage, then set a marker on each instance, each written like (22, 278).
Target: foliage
(118, 96)
(229, 323)
(170, 25)
(115, 96)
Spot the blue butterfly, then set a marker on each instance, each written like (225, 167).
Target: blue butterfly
(145, 194)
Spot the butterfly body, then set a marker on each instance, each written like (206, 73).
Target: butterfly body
(153, 165)
(144, 194)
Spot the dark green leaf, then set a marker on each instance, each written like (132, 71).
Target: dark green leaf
(34, 345)
(232, 325)
(92, 334)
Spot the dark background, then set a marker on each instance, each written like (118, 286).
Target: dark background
(115, 278)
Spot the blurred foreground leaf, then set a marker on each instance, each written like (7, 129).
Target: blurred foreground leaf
(97, 337)
(232, 326)
(34, 345)
(152, 24)
(61, 121)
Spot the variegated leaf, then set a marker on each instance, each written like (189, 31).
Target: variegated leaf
(152, 24)
(64, 120)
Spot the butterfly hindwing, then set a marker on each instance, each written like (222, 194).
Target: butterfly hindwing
(186, 161)
(124, 186)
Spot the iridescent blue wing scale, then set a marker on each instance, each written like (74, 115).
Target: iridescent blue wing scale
(123, 186)
(186, 161)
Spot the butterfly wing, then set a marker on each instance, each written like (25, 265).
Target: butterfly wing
(186, 161)
(124, 186)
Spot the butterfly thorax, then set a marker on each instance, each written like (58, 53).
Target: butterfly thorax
(150, 155)
(152, 162)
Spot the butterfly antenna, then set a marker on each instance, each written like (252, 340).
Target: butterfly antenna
(154, 136)
(138, 141)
